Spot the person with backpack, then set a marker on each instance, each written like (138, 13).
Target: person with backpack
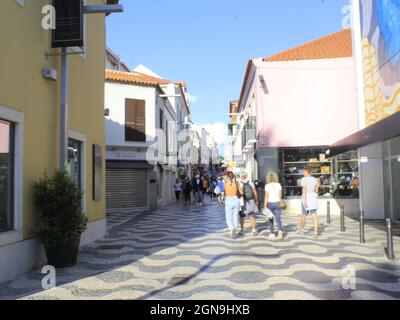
(249, 203)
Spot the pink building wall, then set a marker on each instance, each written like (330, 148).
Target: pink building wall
(305, 103)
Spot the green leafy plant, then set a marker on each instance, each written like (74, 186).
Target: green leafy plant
(59, 201)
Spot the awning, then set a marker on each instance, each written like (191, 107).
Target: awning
(117, 164)
(383, 130)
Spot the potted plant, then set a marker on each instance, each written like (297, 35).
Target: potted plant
(62, 222)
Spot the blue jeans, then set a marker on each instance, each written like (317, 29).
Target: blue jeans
(232, 207)
(275, 207)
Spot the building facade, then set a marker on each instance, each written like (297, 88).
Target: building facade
(292, 106)
(377, 143)
(144, 119)
(29, 127)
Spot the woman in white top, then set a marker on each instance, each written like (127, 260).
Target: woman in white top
(310, 187)
(272, 201)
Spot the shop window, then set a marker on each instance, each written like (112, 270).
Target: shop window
(338, 177)
(6, 176)
(74, 166)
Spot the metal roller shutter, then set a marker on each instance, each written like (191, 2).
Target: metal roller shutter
(126, 189)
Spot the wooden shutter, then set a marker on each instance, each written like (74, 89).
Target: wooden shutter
(135, 120)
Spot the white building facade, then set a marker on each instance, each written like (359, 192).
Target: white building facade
(142, 141)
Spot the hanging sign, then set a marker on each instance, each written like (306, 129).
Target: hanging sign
(69, 24)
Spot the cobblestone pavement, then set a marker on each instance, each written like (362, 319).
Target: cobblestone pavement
(176, 253)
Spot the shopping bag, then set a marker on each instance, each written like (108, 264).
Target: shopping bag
(268, 213)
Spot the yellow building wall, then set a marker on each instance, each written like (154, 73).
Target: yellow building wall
(22, 88)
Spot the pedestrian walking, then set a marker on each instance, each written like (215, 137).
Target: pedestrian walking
(221, 191)
(206, 183)
(187, 190)
(232, 203)
(250, 201)
(272, 201)
(177, 189)
(198, 190)
(310, 188)
(211, 189)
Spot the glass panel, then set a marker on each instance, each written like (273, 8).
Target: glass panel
(387, 179)
(6, 176)
(295, 160)
(396, 188)
(74, 161)
(346, 179)
(395, 147)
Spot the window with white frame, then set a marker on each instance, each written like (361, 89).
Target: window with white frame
(6, 175)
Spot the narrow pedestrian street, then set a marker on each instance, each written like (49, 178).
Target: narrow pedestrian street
(180, 253)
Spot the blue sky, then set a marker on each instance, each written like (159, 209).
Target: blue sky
(207, 43)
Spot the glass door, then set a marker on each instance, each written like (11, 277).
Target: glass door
(391, 175)
(395, 177)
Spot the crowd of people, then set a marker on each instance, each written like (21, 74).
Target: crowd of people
(242, 200)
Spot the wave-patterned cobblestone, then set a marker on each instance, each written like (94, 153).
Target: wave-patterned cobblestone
(143, 252)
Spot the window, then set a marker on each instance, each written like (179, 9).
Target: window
(135, 120)
(6, 176)
(74, 166)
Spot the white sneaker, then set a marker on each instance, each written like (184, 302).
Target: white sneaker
(271, 236)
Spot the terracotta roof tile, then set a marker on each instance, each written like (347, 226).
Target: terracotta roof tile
(135, 77)
(337, 45)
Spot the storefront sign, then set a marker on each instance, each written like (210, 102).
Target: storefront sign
(69, 24)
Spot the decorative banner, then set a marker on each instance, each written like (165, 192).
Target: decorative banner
(69, 24)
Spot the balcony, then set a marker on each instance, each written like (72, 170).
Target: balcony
(249, 135)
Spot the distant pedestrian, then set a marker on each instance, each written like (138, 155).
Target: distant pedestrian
(211, 189)
(232, 203)
(206, 184)
(250, 200)
(177, 189)
(272, 201)
(221, 189)
(310, 188)
(187, 190)
(198, 189)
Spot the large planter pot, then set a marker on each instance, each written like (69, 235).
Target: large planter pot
(64, 254)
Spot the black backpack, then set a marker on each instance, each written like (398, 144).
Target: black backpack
(248, 193)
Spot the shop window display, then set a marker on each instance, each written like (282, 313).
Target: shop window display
(338, 177)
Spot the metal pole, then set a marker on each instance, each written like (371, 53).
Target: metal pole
(328, 212)
(362, 225)
(389, 249)
(64, 109)
(342, 227)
